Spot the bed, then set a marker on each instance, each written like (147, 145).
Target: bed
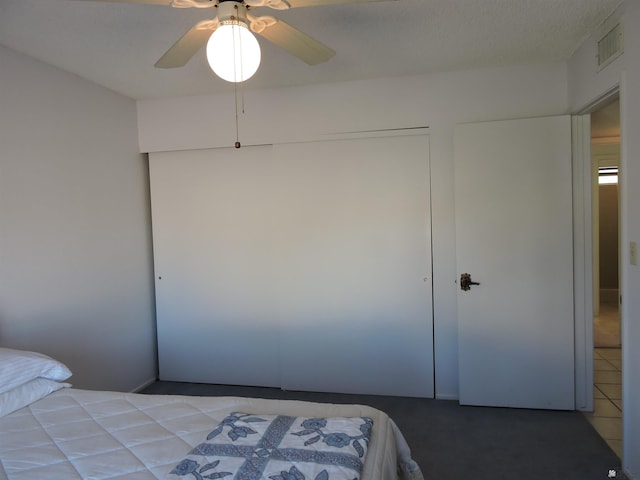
(50, 430)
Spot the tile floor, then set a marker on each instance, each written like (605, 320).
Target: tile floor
(606, 417)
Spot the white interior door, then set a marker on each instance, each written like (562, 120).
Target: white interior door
(303, 266)
(514, 236)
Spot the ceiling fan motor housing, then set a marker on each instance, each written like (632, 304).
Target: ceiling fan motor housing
(231, 11)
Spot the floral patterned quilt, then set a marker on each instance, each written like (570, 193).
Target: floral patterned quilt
(277, 447)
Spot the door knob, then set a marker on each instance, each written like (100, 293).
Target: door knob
(466, 282)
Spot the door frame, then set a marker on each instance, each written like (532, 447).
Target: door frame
(583, 261)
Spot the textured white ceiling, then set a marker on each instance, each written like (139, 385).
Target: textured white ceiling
(116, 44)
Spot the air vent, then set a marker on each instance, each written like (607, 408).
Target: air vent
(610, 46)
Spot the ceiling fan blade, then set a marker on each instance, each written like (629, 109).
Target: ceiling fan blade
(285, 4)
(149, 2)
(173, 3)
(318, 3)
(307, 49)
(185, 48)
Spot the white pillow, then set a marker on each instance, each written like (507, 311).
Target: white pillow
(27, 393)
(18, 367)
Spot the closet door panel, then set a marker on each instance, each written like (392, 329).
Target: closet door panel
(355, 276)
(216, 314)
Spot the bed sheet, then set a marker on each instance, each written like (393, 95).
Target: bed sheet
(81, 434)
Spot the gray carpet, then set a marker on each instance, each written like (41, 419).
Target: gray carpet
(451, 442)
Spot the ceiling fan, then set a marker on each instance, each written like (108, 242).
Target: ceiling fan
(238, 13)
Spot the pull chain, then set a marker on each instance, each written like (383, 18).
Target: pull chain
(235, 85)
(235, 91)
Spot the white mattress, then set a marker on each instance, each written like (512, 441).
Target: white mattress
(80, 434)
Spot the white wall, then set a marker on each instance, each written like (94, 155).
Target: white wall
(316, 112)
(585, 87)
(75, 247)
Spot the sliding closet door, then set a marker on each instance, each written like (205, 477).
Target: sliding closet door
(357, 253)
(214, 259)
(304, 266)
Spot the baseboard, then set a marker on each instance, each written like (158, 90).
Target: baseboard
(629, 475)
(447, 396)
(144, 385)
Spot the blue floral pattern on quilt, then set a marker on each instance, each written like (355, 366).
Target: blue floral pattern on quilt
(278, 447)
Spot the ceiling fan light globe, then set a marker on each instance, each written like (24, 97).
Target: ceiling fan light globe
(233, 52)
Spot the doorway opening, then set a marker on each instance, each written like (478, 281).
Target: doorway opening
(607, 376)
